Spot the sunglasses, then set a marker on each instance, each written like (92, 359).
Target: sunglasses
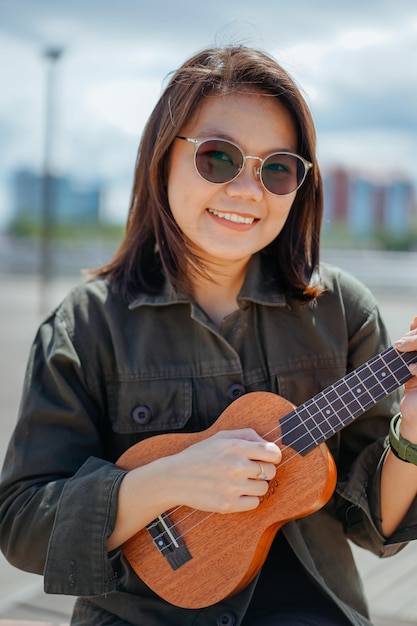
(220, 161)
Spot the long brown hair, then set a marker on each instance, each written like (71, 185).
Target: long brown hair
(154, 246)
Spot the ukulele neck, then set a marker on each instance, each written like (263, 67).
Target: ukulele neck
(315, 421)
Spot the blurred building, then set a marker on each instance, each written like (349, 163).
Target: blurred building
(71, 201)
(366, 205)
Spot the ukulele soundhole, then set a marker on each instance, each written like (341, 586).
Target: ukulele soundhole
(273, 484)
(168, 542)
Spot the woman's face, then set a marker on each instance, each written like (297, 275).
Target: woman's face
(229, 222)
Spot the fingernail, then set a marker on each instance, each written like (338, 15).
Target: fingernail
(413, 368)
(399, 343)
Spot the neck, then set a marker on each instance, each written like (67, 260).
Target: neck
(218, 297)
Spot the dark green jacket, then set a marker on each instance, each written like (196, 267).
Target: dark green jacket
(103, 375)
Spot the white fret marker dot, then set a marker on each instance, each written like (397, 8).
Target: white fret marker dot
(358, 390)
(383, 374)
(327, 412)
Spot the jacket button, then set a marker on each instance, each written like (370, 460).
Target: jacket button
(235, 391)
(226, 619)
(142, 414)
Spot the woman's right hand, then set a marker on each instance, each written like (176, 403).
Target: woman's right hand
(219, 474)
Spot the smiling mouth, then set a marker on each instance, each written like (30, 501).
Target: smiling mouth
(232, 217)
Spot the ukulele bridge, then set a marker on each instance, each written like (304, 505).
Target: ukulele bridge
(168, 542)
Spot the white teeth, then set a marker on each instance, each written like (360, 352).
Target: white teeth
(232, 217)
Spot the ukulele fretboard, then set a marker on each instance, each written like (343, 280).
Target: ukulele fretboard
(329, 411)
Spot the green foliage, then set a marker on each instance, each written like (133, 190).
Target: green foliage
(335, 235)
(404, 243)
(340, 236)
(67, 232)
(24, 228)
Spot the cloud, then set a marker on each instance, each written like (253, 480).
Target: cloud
(357, 149)
(354, 62)
(354, 67)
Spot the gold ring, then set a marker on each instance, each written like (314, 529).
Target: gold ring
(261, 475)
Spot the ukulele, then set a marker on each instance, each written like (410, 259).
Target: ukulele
(193, 558)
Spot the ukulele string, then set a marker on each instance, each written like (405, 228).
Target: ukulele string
(290, 457)
(340, 396)
(288, 418)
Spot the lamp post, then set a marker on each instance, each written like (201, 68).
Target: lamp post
(52, 55)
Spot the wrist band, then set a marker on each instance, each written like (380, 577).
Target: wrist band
(401, 448)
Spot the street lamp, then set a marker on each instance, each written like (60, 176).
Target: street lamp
(52, 55)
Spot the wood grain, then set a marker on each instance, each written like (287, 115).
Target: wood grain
(228, 550)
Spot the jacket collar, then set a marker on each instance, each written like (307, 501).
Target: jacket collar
(259, 286)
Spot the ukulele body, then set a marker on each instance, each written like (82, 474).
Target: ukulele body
(225, 552)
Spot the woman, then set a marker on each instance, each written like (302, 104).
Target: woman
(215, 291)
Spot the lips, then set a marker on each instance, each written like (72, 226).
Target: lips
(232, 217)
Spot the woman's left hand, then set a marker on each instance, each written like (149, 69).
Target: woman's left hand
(408, 406)
(399, 479)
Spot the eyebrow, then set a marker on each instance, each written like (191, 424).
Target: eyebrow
(212, 133)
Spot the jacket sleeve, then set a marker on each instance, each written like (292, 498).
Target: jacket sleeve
(362, 451)
(58, 496)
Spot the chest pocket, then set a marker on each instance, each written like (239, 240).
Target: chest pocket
(302, 383)
(307, 382)
(151, 406)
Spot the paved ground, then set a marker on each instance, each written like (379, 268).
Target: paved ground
(390, 584)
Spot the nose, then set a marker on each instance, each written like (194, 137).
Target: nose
(247, 184)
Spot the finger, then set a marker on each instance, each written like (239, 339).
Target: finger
(258, 488)
(244, 434)
(248, 503)
(263, 471)
(266, 451)
(408, 342)
(261, 475)
(252, 444)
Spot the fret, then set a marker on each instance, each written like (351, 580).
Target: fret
(359, 381)
(400, 374)
(337, 405)
(387, 380)
(390, 369)
(408, 357)
(380, 380)
(329, 411)
(311, 423)
(295, 433)
(350, 398)
(326, 413)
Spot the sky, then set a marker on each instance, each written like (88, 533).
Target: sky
(354, 61)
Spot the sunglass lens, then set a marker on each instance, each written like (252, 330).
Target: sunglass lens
(218, 161)
(282, 173)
